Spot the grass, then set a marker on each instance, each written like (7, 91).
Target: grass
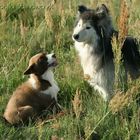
(28, 27)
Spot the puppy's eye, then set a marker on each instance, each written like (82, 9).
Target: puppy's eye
(88, 27)
(42, 58)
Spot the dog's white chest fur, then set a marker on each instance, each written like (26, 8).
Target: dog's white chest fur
(100, 77)
(53, 90)
(85, 52)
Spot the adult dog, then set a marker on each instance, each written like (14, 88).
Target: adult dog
(92, 35)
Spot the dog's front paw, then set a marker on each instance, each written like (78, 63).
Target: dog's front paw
(87, 77)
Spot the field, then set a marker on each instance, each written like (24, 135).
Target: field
(29, 27)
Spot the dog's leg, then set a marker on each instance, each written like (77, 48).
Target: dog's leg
(25, 112)
(58, 108)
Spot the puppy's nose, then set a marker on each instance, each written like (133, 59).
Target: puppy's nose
(75, 36)
(54, 56)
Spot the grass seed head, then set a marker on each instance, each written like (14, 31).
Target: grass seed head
(77, 103)
(123, 99)
(123, 21)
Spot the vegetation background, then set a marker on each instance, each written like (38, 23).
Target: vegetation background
(28, 27)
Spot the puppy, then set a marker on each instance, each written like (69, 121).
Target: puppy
(35, 95)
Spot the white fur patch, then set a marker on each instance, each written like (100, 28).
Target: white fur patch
(85, 32)
(53, 90)
(50, 58)
(32, 81)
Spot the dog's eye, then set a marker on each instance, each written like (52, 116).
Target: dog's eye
(88, 27)
(42, 58)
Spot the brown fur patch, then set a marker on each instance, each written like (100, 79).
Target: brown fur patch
(26, 102)
(37, 64)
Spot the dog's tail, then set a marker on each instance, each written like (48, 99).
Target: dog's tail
(131, 56)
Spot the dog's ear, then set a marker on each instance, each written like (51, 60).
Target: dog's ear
(102, 11)
(29, 70)
(82, 9)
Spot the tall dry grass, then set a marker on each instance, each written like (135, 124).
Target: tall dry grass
(122, 98)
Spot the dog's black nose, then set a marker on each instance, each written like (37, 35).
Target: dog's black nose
(75, 36)
(54, 56)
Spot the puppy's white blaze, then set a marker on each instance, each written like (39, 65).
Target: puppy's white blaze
(50, 58)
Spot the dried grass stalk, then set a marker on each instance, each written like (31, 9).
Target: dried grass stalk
(121, 100)
(123, 22)
(77, 103)
(118, 42)
(23, 30)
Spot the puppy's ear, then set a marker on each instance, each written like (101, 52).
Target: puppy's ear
(29, 70)
(82, 9)
(102, 11)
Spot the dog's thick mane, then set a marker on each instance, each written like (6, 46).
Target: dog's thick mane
(130, 47)
(105, 20)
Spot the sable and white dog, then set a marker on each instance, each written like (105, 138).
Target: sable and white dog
(35, 95)
(92, 36)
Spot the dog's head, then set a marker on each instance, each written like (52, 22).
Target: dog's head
(89, 22)
(41, 63)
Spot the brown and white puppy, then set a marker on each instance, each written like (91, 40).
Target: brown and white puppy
(35, 95)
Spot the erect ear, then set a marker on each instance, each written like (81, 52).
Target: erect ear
(102, 11)
(29, 70)
(82, 9)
